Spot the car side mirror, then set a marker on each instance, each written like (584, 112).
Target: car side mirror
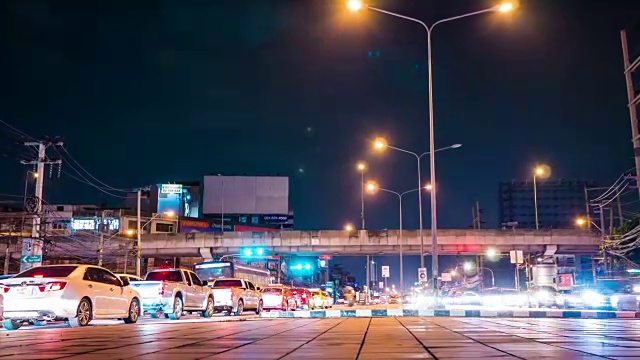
(205, 283)
(125, 282)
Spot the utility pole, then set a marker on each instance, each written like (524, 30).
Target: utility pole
(478, 215)
(138, 236)
(586, 204)
(32, 248)
(633, 100)
(620, 215)
(602, 233)
(101, 242)
(473, 217)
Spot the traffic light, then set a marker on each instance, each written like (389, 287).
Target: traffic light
(306, 267)
(248, 252)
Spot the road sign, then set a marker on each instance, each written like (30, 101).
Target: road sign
(385, 271)
(516, 256)
(171, 189)
(30, 259)
(422, 274)
(381, 284)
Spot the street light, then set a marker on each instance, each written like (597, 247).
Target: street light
(381, 144)
(169, 213)
(361, 166)
(492, 253)
(348, 227)
(469, 266)
(356, 5)
(372, 187)
(539, 171)
(580, 221)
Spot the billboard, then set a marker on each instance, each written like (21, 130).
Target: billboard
(245, 195)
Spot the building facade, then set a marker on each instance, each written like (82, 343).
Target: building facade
(560, 203)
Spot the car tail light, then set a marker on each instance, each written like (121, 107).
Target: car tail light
(5, 289)
(161, 291)
(52, 286)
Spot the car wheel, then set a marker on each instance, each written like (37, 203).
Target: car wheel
(177, 309)
(208, 311)
(239, 308)
(134, 312)
(259, 308)
(83, 314)
(11, 324)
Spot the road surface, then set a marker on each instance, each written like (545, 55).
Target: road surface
(345, 338)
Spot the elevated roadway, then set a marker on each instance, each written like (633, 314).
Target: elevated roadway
(340, 242)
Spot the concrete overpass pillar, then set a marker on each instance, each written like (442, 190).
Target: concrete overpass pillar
(205, 252)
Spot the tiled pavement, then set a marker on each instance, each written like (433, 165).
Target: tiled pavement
(341, 338)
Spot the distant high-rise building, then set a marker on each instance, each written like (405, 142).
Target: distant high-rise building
(560, 203)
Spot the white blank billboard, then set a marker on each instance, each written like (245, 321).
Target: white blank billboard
(245, 195)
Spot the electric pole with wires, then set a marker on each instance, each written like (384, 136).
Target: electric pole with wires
(32, 247)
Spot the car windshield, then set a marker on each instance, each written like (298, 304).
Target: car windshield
(165, 275)
(272, 290)
(61, 271)
(218, 284)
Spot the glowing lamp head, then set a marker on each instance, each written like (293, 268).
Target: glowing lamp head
(35, 174)
(539, 171)
(354, 5)
(580, 221)
(361, 166)
(371, 186)
(247, 252)
(468, 266)
(492, 253)
(379, 144)
(129, 232)
(505, 7)
(260, 252)
(170, 213)
(348, 227)
(428, 187)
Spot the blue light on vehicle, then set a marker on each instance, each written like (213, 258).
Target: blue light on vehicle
(259, 251)
(247, 252)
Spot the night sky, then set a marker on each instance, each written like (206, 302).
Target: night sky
(151, 91)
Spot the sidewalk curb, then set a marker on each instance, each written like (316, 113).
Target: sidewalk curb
(567, 314)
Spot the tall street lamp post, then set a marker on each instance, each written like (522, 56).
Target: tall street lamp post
(373, 187)
(356, 5)
(381, 144)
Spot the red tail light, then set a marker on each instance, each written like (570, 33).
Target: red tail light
(52, 286)
(161, 292)
(5, 289)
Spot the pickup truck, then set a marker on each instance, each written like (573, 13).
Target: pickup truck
(233, 296)
(170, 292)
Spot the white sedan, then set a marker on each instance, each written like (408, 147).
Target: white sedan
(75, 293)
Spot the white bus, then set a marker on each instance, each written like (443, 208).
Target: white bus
(212, 270)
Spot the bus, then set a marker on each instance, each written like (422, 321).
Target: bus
(212, 270)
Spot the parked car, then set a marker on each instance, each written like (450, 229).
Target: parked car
(233, 296)
(278, 298)
(320, 299)
(303, 297)
(171, 292)
(129, 277)
(545, 296)
(75, 293)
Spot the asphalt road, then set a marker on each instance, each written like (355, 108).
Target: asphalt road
(344, 338)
